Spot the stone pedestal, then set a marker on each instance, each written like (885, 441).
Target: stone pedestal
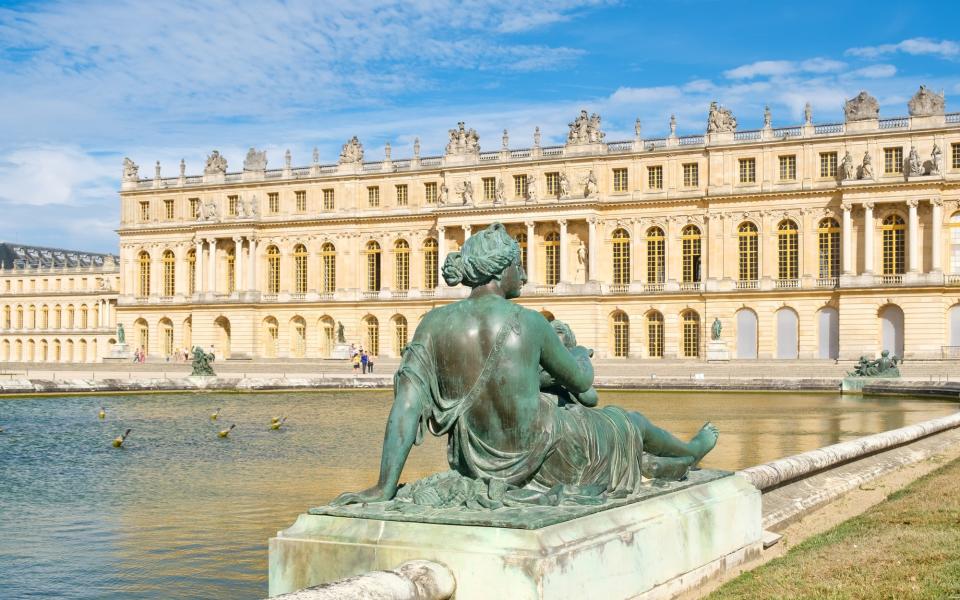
(717, 351)
(657, 547)
(119, 353)
(341, 351)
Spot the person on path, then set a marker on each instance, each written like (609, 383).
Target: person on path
(356, 363)
(364, 359)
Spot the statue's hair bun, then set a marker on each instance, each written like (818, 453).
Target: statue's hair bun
(453, 268)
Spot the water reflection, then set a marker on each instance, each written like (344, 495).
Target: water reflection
(181, 513)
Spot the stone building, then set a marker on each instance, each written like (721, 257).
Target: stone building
(805, 241)
(57, 305)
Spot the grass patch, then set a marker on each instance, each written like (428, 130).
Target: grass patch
(905, 547)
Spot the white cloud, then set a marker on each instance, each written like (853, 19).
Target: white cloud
(50, 175)
(914, 46)
(632, 95)
(781, 68)
(875, 72)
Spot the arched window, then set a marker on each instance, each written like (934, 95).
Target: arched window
(7, 317)
(828, 333)
(166, 337)
(691, 244)
(373, 267)
(271, 337)
(788, 253)
(273, 270)
(828, 242)
(83, 316)
(327, 336)
(955, 243)
(401, 272)
(142, 335)
(298, 338)
(69, 351)
(552, 256)
(70, 324)
(748, 247)
(430, 257)
(373, 336)
(57, 317)
(143, 288)
(328, 253)
(656, 258)
(188, 332)
(56, 351)
(621, 334)
(169, 273)
(891, 329)
(222, 329)
(690, 321)
(746, 322)
(32, 317)
(31, 351)
(522, 242)
(231, 274)
(621, 257)
(18, 351)
(44, 351)
(654, 334)
(399, 334)
(44, 317)
(788, 325)
(192, 272)
(19, 317)
(300, 269)
(894, 238)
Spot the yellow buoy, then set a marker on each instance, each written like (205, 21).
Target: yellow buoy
(102, 414)
(119, 440)
(214, 416)
(277, 423)
(226, 431)
(275, 419)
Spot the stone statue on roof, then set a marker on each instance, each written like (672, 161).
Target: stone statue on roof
(926, 103)
(861, 107)
(216, 164)
(585, 129)
(463, 141)
(352, 152)
(720, 119)
(255, 161)
(130, 170)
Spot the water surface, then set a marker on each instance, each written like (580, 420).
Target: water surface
(181, 513)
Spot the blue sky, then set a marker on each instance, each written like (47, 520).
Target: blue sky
(83, 84)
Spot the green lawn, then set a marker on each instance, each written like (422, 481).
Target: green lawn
(905, 547)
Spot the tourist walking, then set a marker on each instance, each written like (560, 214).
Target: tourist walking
(364, 359)
(356, 363)
(369, 363)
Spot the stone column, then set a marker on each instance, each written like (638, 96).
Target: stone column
(636, 251)
(531, 247)
(198, 281)
(936, 228)
(467, 232)
(238, 264)
(109, 316)
(913, 224)
(212, 274)
(564, 275)
(847, 239)
(592, 250)
(441, 249)
(868, 227)
(252, 264)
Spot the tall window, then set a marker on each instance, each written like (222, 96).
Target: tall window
(490, 188)
(690, 245)
(144, 210)
(273, 337)
(893, 160)
(169, 273)
(655, 177)
(166, 336)
(273, 270)
(955, 243)
(44, 317)
(231, 270)
(300, 197)
(168, 209)
(373, 267)
(553, 184)
(57, 317)
(299, 337)
(430, 192)
(328, 200)
(328, 254)
(955, 156)
(19, 317)
(691, 175)
(828, 164)
(788, 167)
(399, 334)
(621, 257)
(894, 233)
(787, 250)
(520, 186)
(402, 199)
(32, 323)
(373, 196)
(373, 336)
(430, 264)
(552, 255)
(621, 335)
(828, 242)
(143, 289)
(656, 259)
(655, 335)
(691, 333)
(327, 336)
(621, 183)
(7, 320)
(300, 269)
(748, 170)
(194, 208)
(233, 205)
(747, 239)
(522, 242)
(401, 273)
(273, 202)
(192, 272)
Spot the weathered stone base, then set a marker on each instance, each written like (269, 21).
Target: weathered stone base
(650, 549)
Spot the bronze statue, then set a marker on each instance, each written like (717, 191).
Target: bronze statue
(885, 366)
(474, 372)
(201, 363)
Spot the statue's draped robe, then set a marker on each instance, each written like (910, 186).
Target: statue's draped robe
(581, 452)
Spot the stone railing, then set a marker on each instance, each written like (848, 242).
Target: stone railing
(413, 580)
(747, 284)
(894, 123)
(750, 134)
(787, 283)
(951, 279)
(828, 129)
(952, 117)
(828, 282)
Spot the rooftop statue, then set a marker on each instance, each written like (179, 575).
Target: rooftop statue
(885, 366)
(463, 141)
(926, 103)
(201, 363)
(216, 164)
(720, 119)
(585, 129)
(861, 107)
(352, 152)
(130, 170)
(517, 405)
(255, 161)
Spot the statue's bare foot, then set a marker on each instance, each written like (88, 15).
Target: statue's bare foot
(704, 441)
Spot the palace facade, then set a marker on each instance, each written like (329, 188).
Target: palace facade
(57, 305)
(807, 241)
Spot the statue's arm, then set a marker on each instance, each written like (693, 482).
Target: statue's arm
(571, 368)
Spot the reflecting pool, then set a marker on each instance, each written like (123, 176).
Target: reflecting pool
(180, 513)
